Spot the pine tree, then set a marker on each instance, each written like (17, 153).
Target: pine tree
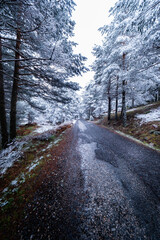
(38, 55)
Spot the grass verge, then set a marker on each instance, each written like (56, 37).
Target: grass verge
(148, 133)
(20, 182)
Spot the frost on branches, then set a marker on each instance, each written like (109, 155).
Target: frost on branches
(127, 65)
(36, 58)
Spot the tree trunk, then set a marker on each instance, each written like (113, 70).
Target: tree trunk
(124, 115)
(3, 121)
(109, 100)
(109, 109)
(116, 110)
(132, 102)
(15, 89)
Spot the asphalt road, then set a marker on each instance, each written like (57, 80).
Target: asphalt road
(104, 187)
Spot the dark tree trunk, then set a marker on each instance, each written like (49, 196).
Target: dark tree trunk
(124, 116)
(109, 100)
(123, 113)
(3, 121)
(15, 89)
(132, 102)
(109, 109)
(157, 96)
(116, 110)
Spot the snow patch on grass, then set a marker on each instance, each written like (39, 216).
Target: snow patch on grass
(3, 203)
(14, 182)
(153, 115)
(9, 155)
(44, 128)
(47, 127)
(34, 164)
(50, 145)
(22, 178)
(57, 141)
(5, 190)
(139, 108)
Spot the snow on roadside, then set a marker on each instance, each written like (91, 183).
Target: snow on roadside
(33, 165)
(153, 115)
(47, 127)
(139, 108)
(44, 128)
(9, 155)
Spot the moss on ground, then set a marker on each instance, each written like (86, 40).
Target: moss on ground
(25, 130)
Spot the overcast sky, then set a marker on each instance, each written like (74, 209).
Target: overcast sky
(89, 15)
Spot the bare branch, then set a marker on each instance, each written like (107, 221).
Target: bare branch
(11, 39)
(144, 69)
(13, 49)
(26, 59)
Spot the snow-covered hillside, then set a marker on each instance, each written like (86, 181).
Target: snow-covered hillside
(153, 115)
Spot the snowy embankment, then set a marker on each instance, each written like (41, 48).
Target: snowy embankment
(153, 115)
(9, 155)
(15, 150)
(48, 127)
(141, 107)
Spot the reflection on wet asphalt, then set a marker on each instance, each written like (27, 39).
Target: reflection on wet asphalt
(105, 187)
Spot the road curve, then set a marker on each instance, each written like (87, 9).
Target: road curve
(105, 187)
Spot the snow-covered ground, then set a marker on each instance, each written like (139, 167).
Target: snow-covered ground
(138, 108)
(46, 127)
(10, 155)
(153, 115)
(14, 151)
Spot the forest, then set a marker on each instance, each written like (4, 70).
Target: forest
(37, 63)
(79, 163)
(127, 63)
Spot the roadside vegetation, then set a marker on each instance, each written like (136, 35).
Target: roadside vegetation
(20, 181)
(147, 132)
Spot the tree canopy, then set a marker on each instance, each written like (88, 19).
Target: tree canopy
(37, 58)
(127, 63)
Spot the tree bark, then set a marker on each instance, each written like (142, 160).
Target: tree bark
(132, 102)
(124, 115)
(116, 110)
(3, 121)
(109, 109)
(14, 96)
(109, 101)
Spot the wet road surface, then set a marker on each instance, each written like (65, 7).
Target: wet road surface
(103, 187)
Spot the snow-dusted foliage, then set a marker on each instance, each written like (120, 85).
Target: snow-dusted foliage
(36, 57)
(49, 112)
(127, 64)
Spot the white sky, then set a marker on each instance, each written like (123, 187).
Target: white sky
(89, 15)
